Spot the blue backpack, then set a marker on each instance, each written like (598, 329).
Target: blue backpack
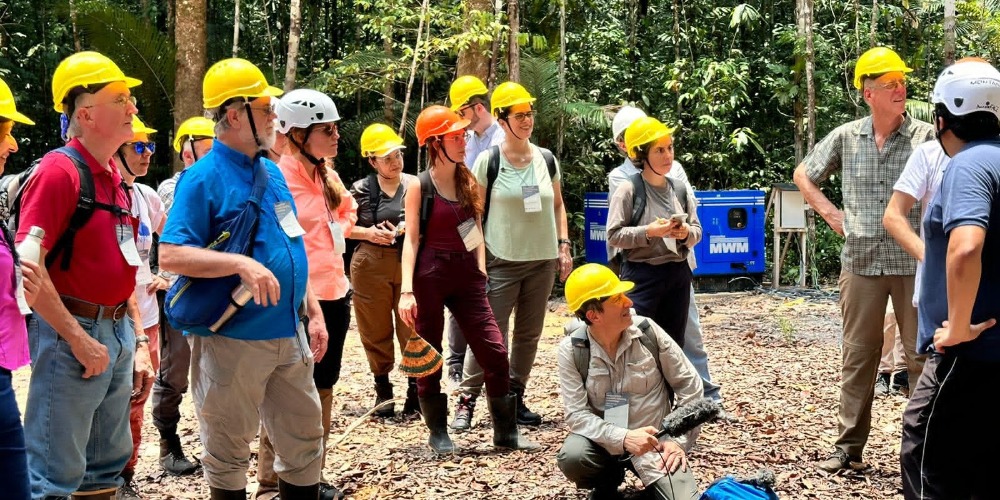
(729, 488)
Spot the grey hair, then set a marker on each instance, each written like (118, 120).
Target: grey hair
(218, 115)
(74, 129)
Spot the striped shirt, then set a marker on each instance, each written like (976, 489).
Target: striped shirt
(867, 177)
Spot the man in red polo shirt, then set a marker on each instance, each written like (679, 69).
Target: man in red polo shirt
(77, 429)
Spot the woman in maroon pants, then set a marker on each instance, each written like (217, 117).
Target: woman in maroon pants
(444, 264)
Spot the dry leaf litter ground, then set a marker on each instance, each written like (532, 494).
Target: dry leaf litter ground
(776, 356)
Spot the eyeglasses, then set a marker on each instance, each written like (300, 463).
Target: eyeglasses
(454, 137)
(142, 147)
(266, 108)
(329, 129)
(618, 299)
(893, 85)
(122, 101)
(463, 109)
(522, 117)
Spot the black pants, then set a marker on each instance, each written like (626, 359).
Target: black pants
(662, 293)
(337, 314)
(950, 439)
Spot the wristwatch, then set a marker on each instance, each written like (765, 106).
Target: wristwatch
(562, 241)
(141, 338)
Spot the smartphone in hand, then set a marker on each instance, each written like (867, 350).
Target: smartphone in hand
(679, 219)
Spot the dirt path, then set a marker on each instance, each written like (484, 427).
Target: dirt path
(776, 358)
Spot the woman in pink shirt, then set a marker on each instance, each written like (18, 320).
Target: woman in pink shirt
(13, 330)
(327, 213)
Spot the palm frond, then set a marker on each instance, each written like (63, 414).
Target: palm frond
(921, 110)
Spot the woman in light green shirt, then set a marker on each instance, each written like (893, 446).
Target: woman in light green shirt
(526, 241)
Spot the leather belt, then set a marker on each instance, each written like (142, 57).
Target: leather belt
(85, 309)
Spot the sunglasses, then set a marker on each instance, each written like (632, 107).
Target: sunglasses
(329, 129)
(142, 147)
(618, 299)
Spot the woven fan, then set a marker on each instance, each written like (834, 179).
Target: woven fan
(420, 359)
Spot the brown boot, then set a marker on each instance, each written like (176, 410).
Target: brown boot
(383, 393)
(105, 494)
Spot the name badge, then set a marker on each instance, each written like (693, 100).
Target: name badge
(671, 244)
(616, 409)
(337, 233)
(126, 243)
(532, 199)
(286, 217)
(471, 235)
(144, 275)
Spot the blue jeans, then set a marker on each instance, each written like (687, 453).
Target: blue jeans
(77, 429)
(13, 462)
(694, 349)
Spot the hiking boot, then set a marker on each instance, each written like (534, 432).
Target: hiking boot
(900, 382)
(172, 457)
(412, 404)
(383, 393)
(463, 412)
(128, 490)
(882, 385)
(838, 460)
(328, 491)
(524, 415)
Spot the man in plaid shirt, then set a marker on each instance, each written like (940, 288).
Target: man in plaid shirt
(869, 154)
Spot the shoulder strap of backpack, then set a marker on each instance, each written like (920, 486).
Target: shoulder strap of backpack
(581, 350)
(427, 192)
(638, 198)
(680, 188)
(648, 340)
(492, 172)
(85, 205)
(374, 195)
(550, 161)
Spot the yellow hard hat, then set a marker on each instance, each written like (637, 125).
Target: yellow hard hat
(7, 108)
(379, 140)
(140, 128)
(877, 61)
(508, 94)
(592, 281)
(196, 126)
(234, 77)
(464, 89)
(644, 131)
(83, 69)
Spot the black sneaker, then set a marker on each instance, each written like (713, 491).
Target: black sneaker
(900, 381)
(328, 491)
(128, 490)
(882, 385)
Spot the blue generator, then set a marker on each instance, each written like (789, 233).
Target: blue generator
(732, 242)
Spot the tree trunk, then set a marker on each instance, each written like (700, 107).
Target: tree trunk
(949, 32)
(562, 76)
(807, 7)
(513, 49)
(413, 67)
(474, 59)
(236, 29)
(798, 108)
(72, 20)
(294, 32)
(190, 34)
(871, 33)
(388, 88)
(677, 51)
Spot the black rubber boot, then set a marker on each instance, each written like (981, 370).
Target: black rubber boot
(383, 393)
(463, 412)
(288, 491)
(172, 458)
(505, 433)
(435, 412)
(524, 415)
(412, 404)
(221, 494)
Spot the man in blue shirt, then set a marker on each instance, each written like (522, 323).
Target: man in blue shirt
(260, 363)
(957, 329)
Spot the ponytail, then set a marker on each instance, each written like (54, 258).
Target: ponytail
(331, 188)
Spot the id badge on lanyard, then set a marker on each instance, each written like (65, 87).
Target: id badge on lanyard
(470, 233)
(126, 243)
(616, 409)
(286, 217)
(337, 233)
(532, 199)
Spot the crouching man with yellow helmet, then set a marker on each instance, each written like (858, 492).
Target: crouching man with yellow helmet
(258, 366)
(83, 351)
(615, 391)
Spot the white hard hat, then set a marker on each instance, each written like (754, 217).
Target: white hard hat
(301, 108)
(623, 118)
(968, 86)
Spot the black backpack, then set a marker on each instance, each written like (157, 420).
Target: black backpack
(374, 193)
(85, 204)
(639, 196)
(577, 330)
(493, 170)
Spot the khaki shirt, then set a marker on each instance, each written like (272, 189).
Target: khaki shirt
(867, 178)
(632, 370)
